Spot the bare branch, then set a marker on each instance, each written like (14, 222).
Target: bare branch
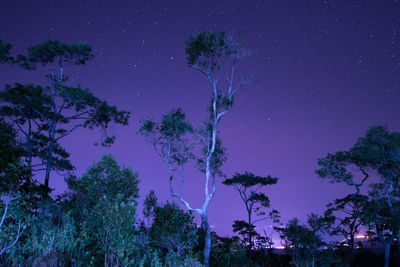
(7, 199)
(181, 199)
(41, 115)
(20, 128)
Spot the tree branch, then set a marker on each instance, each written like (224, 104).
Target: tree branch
(181, 199)
(68, 132)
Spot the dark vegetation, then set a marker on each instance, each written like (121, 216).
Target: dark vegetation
(97, 223)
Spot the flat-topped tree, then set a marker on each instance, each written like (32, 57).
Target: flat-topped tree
(215, 55)
(59, 109)
(249, 187)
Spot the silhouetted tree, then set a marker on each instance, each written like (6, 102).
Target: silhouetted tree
(346, 217)
(46, 115)
(249, 187)
(23, 106)
(245, 230)
(15, 178)
(376, 155)
(303, 242)
(381, 222)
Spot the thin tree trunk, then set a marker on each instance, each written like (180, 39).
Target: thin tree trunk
(387, 253)
(398, 249)
(352, 250)
(208, 196)
(52, 130)
(250, 233)
(207, 243)
(49, 156)
(29, 142)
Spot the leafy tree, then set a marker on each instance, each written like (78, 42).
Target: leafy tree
(15, 178)
(46, 115)
(19, 194)
(23, 108)
(383, 221)
(303, 242)
(173, 230)
(245, 230)
(346, 217)
(10, 155)
(169, 139)
(336, 167)
(297, 239)
(104, 201)
(377, 154)
(215, 55)
(249, 187)
(317, 225)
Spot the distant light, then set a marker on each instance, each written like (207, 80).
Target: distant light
(280, 247)
(361, 236)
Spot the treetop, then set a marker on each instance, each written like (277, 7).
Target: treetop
(248, 179)
(53, 51)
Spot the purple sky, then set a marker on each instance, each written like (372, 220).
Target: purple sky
(324, 72)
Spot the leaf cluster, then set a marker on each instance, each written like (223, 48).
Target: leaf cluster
(248, 179)
(53, 51)
(169, 137)
(207, 50)
(103, 202)
(5, 52)
(378, 150)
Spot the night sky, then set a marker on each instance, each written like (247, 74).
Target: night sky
(324, 72)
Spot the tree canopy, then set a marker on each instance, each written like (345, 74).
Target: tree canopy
(45, 115)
